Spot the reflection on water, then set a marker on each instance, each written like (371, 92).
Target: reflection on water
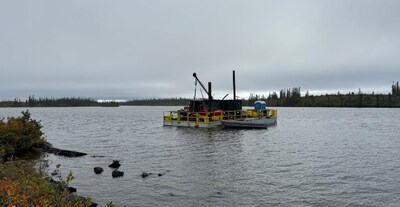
(313, 157)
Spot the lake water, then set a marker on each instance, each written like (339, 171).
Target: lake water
(313, 157)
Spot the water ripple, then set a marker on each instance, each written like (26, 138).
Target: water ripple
(313, 157)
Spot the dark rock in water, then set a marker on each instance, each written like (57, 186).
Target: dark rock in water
(115, 164)
(217, 195)
(93, 204)
(98, 156)
(68, 153)
(47, 147)
(61, 152)
(98, 170)
(144, 174)
(163, 173)
(117, 174)
(71, 189)
(54, 173)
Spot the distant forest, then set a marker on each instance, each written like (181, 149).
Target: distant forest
(56, 102)
(293, 98)
(157, 102)
(285, 98)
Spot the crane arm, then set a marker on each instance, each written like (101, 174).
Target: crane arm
(201, 84)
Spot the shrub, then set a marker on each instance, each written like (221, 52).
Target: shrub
(18, 135)
(23, 183)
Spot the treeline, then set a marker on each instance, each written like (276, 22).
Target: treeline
(157, 102)
(293, 98)
(57, 102)
(287, 97)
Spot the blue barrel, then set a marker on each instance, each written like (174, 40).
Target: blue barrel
(260, 105)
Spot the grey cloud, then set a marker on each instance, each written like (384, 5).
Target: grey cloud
(151, 48)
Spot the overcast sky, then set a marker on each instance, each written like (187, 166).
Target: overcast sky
(150, 48)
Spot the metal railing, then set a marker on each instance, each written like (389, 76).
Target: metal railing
(216, 116)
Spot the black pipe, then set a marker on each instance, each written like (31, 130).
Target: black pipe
(234, 86)
(209, 96)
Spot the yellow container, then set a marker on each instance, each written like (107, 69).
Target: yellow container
(249, 113)
(274, 113)
(216, 118)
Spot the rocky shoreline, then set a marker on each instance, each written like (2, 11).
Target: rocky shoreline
(24, 180)
(59, 185)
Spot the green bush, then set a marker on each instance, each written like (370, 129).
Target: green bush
(23, 183)
(20, 134)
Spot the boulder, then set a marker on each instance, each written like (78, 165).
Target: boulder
(69, 153)
(55, 172)
(115, 164)
(61, 152)
(98, 156)
(71, 190)
(145, 174)
(98, 170)
(93, 204)
(47, 147)
(116, 174)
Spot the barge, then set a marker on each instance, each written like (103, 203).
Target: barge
(210, 113)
